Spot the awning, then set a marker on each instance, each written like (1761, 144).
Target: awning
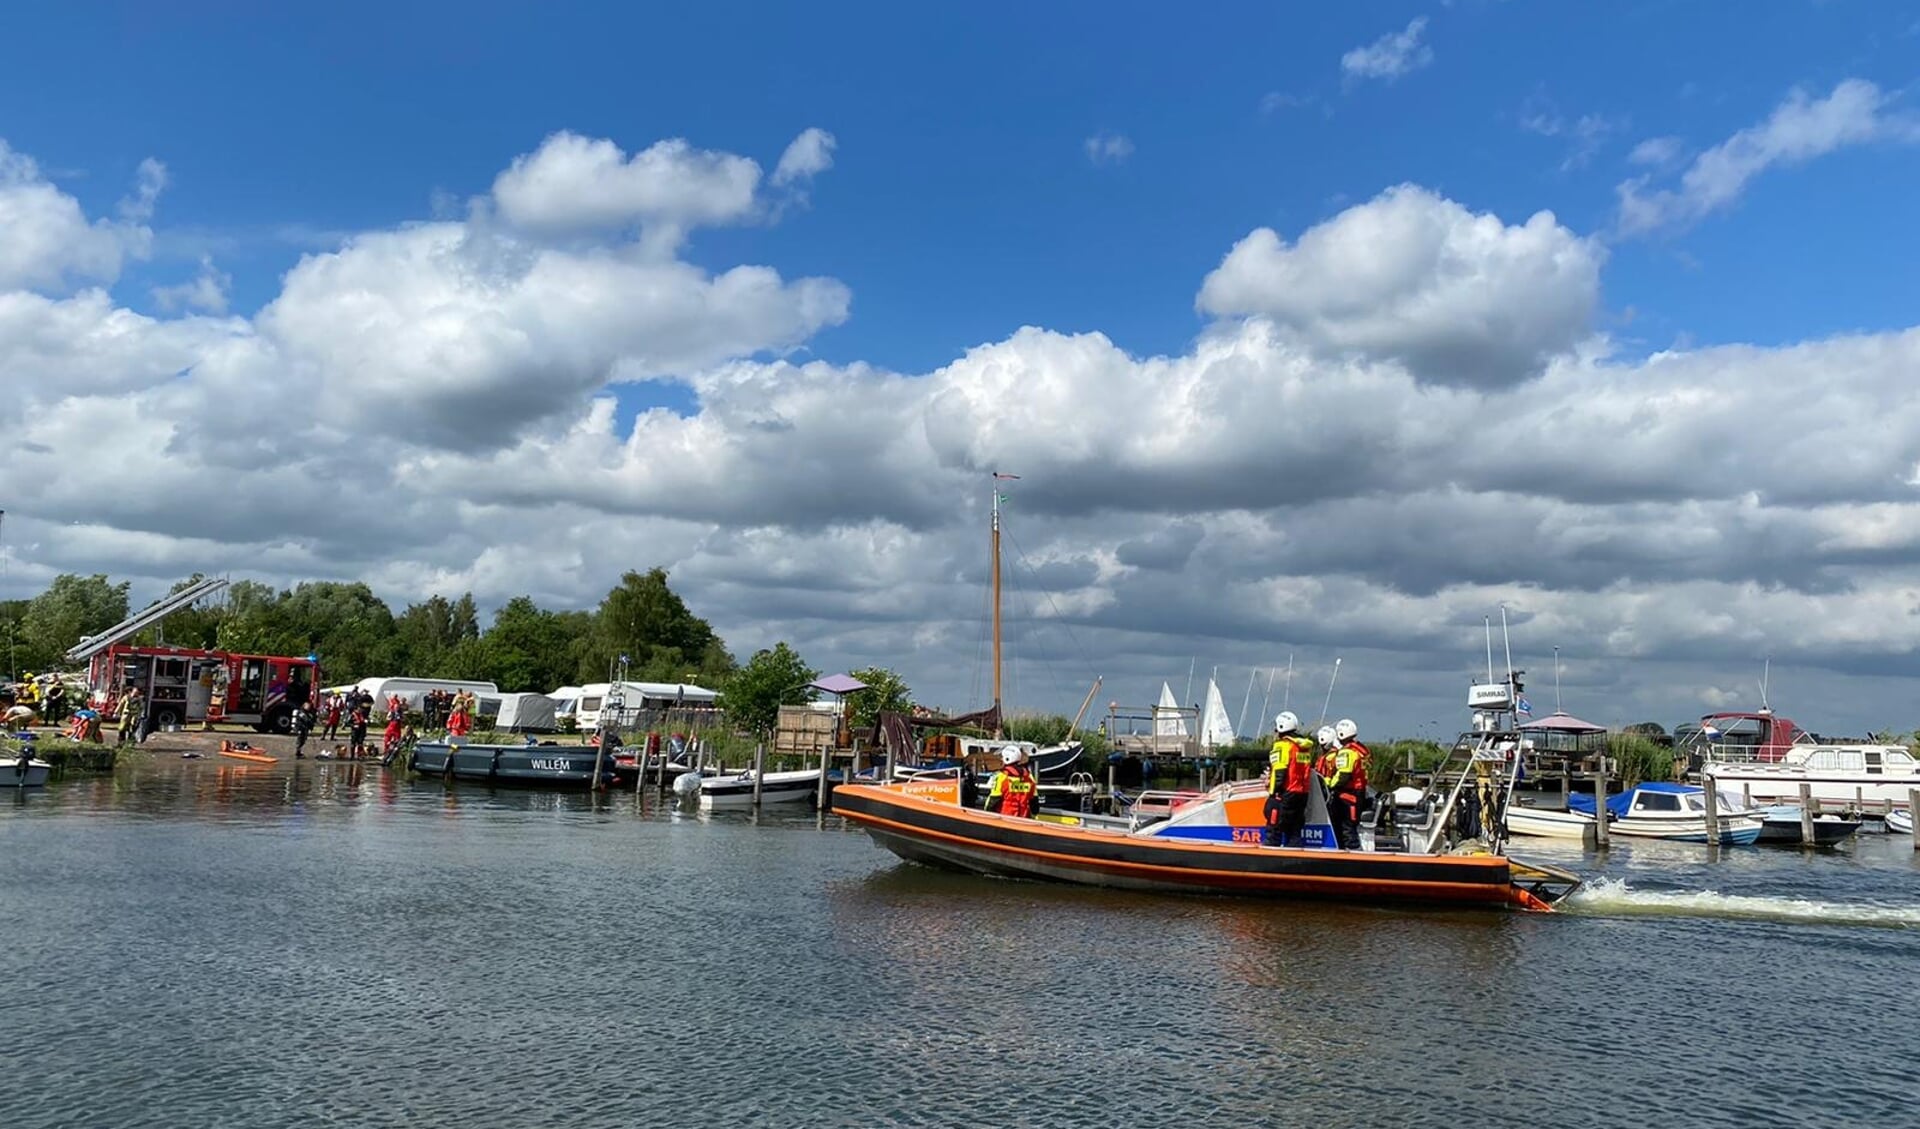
(837, 684)
(1565, 723)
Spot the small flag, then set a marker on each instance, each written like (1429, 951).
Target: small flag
(997, 474)
(1709, 732)
(1523, 706)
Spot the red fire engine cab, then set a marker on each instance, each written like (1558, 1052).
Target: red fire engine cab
(182, 685)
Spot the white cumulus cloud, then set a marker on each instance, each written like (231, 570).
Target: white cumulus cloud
(1415, 278)
(574, 184)
(47, 243)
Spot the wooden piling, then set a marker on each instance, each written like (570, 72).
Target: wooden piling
(1913, 808)
(1807, 838)
(759, 769)
(1713, 809)
(826, 762)
(1600, 836)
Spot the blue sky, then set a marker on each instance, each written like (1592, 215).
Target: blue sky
(1717, 174)
(962, 203)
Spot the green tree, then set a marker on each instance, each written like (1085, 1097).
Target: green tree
(529, 649)
(1646, 729)
(772, 678)
(71, 608)
(254, 623)
(349, 627)
(196, 626)
(886, 692)
(427, 632)
(645, 620)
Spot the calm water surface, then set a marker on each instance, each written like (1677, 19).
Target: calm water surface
(204, 944)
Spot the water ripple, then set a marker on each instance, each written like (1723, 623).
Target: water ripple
(192, 946)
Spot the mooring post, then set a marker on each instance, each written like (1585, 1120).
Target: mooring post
(1713, 809)
(1806, 815)
(759, 769)
(1113, 802)
(1600, 802)
(1913, 808)
(826, 763)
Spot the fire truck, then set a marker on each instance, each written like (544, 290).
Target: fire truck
(184, 685)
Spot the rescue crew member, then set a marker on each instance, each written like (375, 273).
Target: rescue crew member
(1349, 784)
(1288, 767)
(1013, 790)
(132, 710)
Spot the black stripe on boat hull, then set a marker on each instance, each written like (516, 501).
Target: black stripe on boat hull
(956, 838)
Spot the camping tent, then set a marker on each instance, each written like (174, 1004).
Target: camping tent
(526, 713)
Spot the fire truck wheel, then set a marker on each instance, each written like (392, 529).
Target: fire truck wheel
(163, 717)
(279, 721)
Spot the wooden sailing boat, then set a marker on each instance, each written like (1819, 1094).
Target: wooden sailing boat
(1050, 760)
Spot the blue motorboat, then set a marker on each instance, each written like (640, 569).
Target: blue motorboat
(1659, 810)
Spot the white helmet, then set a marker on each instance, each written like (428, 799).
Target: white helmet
(1325, 736)
(1346, 730)
(1010, 755)
(1286, 723)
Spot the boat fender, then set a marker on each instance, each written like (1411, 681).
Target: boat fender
(686, 784)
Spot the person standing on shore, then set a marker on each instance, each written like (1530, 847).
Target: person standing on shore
(132, 708)
(53, 702)
(302, 727)
(357, 731)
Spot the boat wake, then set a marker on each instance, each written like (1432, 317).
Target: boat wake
(1612, 897)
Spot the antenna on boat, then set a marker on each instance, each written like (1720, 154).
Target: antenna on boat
(1766, 671)
(1328, 704)
(1488, 620)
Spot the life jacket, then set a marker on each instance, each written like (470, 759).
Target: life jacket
(1015, 789)
(1288, 766)
(1350, 764)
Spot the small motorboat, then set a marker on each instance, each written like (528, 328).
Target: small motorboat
(1898, 822)
(1780, 824)
(23, 770)
(735, 790)
(1675, 812)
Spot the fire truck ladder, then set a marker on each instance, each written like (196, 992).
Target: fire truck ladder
(159, 610)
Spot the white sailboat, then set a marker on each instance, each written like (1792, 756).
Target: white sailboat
(1168, 721)
(1216, 729)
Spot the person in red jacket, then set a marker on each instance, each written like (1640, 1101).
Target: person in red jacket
(1288, 768)
(1348, 785)
(1014, 790)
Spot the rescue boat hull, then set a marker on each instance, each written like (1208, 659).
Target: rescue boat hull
(946, 835)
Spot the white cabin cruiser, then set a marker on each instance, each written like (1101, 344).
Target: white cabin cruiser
(1875, 776)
